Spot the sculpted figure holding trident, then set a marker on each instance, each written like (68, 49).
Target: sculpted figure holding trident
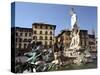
(75, 30)
(73, 18)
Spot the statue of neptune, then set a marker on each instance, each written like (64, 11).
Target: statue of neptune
(75, 32)
(73, 18)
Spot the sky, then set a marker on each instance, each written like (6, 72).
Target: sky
(27, 13)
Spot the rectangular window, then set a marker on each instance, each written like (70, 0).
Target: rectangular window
(25, 34)
(41, 27)
(35, 26)
(20, 45)
(29, 34)
(16, 34)
(46, 27)
(21, 34)
(50, 27)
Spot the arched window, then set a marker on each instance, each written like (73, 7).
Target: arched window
(40, 32)
(25, 40)
(46, 32)
(50, 38)
(46, 38)
(20, 40)
(41, 26)
(34, 32)
(34, 37)
(50, 32)
(41, 38)
(46, 27)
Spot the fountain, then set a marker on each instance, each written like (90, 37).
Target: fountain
(75, 50)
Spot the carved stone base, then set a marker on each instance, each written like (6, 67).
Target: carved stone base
(77, 53)
(81, 55)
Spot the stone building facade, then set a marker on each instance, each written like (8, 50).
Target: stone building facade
(23, 36)
(84, 38)
(43, 33)
(64, 36)
(92, 42)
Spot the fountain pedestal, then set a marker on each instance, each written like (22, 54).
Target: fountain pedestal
(75, 50)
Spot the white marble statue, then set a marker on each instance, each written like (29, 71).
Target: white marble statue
(75, 41)
(73, 18)
(75, 32)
